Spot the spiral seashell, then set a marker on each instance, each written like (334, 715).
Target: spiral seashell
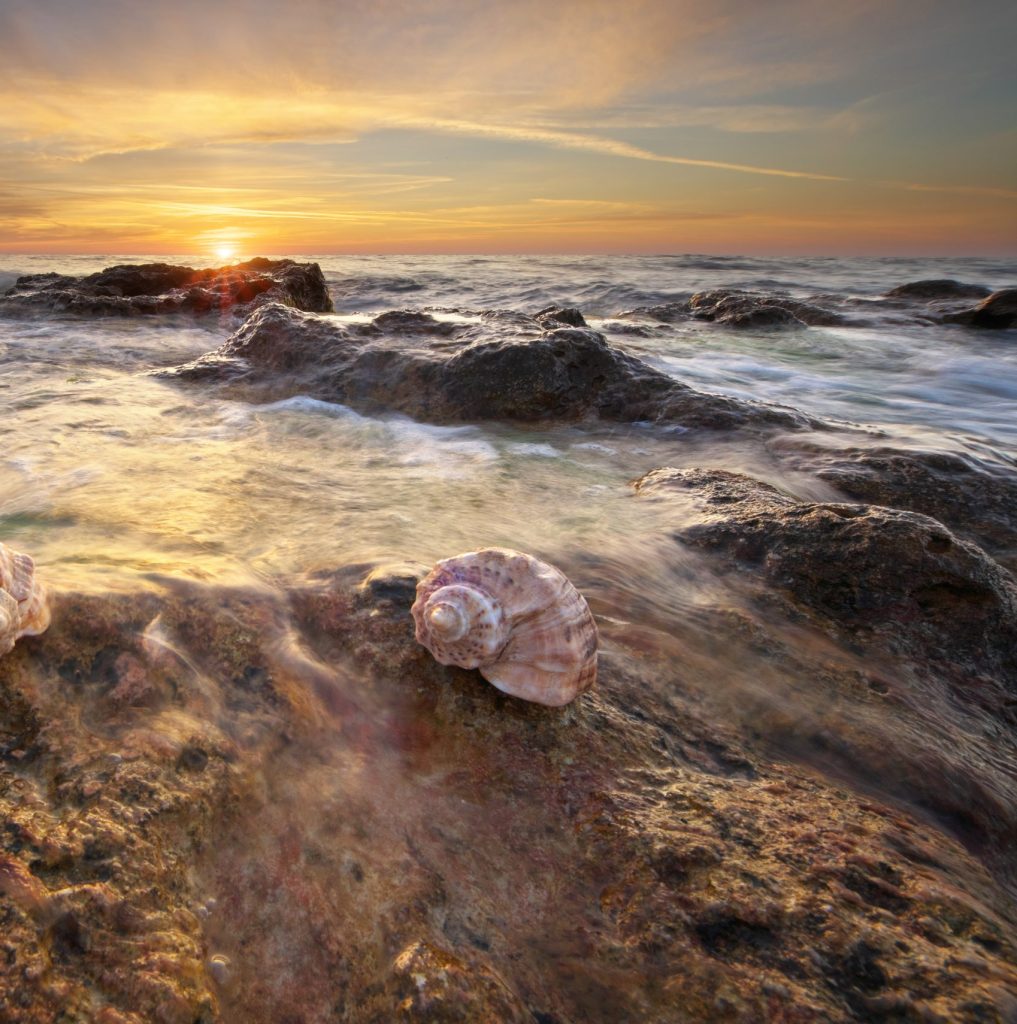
(517, 619)
(23, 608)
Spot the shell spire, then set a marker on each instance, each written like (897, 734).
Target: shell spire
(23, 607)
(516, 619)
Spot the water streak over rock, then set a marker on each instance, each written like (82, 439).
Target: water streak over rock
(886, 596)
(975, 500)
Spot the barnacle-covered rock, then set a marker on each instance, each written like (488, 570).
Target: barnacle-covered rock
(517, 619)
(23, 608)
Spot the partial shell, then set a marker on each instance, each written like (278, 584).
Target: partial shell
(23, 608)
(517, 619)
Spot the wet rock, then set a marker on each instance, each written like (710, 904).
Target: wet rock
(997, 312)
(158, 288)
(474, 373)
(634, 329)
(395, 582)
(401, 321)
(932, 290)
(895, 578)
(749, 309)
(855, 604)
(558, 316)
(319, 822)
(666, 312)
(976, 501)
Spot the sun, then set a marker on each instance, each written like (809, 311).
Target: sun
(225, 252)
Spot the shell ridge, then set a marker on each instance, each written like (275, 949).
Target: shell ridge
(541, 642)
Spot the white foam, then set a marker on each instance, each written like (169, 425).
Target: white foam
(543, 451)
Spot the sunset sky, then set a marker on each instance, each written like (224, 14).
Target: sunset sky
(331, 126)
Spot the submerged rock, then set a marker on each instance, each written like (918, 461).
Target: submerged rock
(158, 288)
(495, 370)
(735, 308)
(358, 833)
(997, 312)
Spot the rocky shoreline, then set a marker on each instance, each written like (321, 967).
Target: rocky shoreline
(268, 804)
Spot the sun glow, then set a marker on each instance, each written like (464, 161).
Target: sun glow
(225, 252)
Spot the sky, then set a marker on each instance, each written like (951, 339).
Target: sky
(244, 127)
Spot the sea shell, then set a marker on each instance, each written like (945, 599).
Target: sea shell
(23, 608)
(517, 619)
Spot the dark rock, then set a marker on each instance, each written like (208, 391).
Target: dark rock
(667, 312)
(929, 291)
(760, 316)
(401, 321)
(976, 501)
(157, 288)
(833, 607)
(893, 578)
(998, 311)
(494, 371)
(395, 583)
(750, 309)
(557, 316)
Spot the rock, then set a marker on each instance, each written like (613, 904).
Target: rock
(997, 312)
(158, 288)
(557, 316)
(893, 578)
(666, 312)
(369, 836)
(749, 309)
(858, 603)
(931, 290)
(496, 370)
(976, 501)
(401, 321)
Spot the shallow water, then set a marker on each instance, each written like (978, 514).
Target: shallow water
(108, 474)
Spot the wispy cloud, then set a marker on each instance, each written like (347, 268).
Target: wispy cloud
(596, 144)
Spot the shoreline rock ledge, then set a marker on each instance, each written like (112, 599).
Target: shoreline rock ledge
(159, 288)
(230, 805)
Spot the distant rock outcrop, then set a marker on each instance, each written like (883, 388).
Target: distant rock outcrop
(154, 288)
(735, 308)
(749, 309)
(932, 290)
